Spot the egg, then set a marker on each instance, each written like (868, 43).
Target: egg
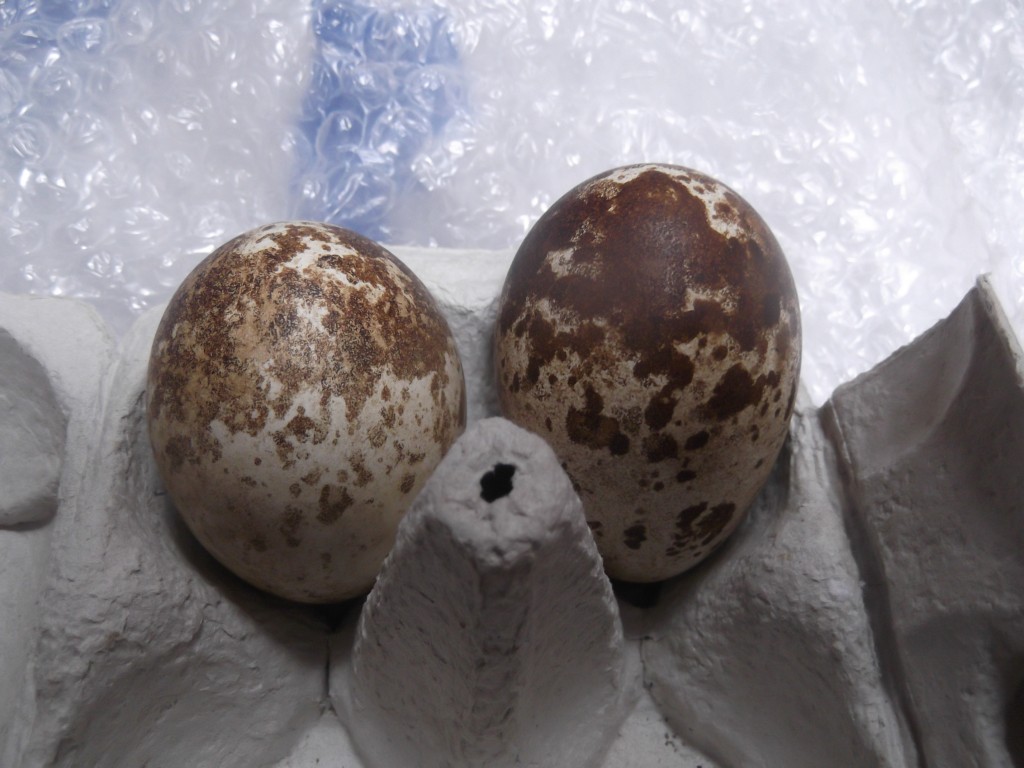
(302, 386)
(649, 329)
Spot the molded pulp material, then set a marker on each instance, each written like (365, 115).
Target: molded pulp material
(933, 443)
(868, 611)
(766, 658)
(492, 607)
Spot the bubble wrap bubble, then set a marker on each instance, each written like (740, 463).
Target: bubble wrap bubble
(883, 141)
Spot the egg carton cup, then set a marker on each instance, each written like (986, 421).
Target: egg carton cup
(868, 612)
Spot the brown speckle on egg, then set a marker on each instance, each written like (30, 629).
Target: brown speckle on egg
(649, 320)
(272, 368)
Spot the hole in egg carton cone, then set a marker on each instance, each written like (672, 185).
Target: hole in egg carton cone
(497, 484)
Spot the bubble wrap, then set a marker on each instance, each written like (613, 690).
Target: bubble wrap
(882, 141)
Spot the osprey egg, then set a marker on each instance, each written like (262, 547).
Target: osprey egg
(302, 386)
(649, 329)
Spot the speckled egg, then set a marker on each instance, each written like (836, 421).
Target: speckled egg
(649, 329)
(301, 389)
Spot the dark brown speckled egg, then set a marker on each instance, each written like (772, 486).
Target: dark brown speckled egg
(649, 329)
(302, 387)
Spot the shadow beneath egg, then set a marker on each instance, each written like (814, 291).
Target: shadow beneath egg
(637, 595)
(643, 606)
(255, 602)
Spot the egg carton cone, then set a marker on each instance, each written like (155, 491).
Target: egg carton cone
(869, 611)
(493, 607)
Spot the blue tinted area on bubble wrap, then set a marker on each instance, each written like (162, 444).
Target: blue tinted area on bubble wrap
(384, 83)
(36, 34)
(35, 31)
(51, 12)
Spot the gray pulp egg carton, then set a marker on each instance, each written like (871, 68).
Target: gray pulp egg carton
(869, 611)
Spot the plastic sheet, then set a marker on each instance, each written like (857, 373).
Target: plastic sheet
(882, 141)
(384, 82)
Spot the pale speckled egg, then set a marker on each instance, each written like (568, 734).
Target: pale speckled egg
(302, 387)
(649, 329)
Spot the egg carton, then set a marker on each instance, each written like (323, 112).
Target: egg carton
(868, 612)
